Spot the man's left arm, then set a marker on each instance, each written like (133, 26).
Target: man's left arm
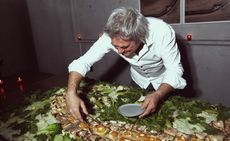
(172, 78)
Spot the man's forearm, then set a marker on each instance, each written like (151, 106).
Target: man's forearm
(163, 90)
(73, 82)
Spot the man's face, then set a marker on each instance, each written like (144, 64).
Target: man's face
(125, 47)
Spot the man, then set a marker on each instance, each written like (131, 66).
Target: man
(148, 44)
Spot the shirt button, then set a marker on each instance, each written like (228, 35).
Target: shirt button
(147, 75)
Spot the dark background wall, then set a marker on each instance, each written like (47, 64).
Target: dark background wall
(17, 53)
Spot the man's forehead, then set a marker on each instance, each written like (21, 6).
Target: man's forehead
(119, 41)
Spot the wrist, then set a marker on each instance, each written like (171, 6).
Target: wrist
(70, 93)
(156, 94)
(159, 94)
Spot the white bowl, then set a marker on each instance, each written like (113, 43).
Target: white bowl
(130, 110)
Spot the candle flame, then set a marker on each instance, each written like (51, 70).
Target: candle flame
(19, 79)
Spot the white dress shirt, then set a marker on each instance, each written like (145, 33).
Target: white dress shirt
(157, 62)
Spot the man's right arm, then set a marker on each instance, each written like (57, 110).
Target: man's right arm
(74, 103)
(78, 69)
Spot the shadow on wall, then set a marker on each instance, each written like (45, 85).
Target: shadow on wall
(189, 90)
(17, 52)
(115, 70)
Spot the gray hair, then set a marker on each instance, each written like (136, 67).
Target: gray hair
(127, 23)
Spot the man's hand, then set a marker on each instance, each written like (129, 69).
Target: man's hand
(150, 104)
(75, 105)
(153, 98)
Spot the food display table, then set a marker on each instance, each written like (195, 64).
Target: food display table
(44, 117)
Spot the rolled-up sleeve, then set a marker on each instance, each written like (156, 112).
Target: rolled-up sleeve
(95, 53)
(172, 61)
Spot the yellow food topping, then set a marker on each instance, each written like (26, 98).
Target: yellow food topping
(141, 135)
(83, 125)
(127, 134)
(100, 128)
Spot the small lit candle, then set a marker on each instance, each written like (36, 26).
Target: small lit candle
(20, 84)
(1, 83)
(19, 81)
(189, 37)
(2, 91)
(79, 36)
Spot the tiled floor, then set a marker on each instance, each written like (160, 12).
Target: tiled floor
(32, 81)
